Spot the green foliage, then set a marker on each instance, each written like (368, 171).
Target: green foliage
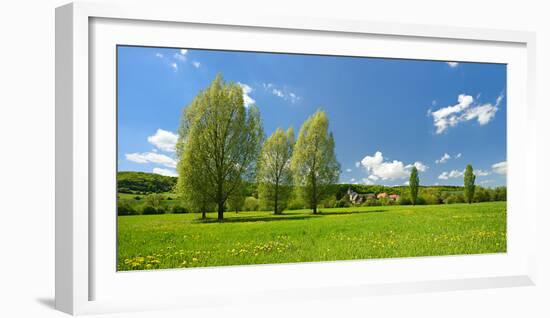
(148, 209)
(251, 204)
(413, 184)
(126, 208)
(314, 163)
(177, 209)
(143, 183)
(219, 141)
(274, 176)
(236, 199)
(154, 200)
(469, 184)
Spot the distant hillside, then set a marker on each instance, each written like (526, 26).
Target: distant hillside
(143, 182)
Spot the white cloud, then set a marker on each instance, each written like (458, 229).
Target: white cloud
(174, 66)
(458, 155)
(159, 55)
(443, 159)
(151, 157)
(196, 64)
(165, 172)
(181, 55)
(419, 166)
(367, 181)
(465, 110)
(451, 174)
(358, 164)
(453, 64)
(283, 93)
(481, 173)
(164, 140)
(500, 167)
(352, 180)
(378, 168)
(246, 97)
(406, 183)
(348, 170)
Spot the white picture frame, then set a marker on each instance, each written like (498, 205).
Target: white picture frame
(79, 253)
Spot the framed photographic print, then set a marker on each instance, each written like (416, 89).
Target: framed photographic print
(241, 155)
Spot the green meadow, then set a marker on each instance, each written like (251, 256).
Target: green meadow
(184, 240)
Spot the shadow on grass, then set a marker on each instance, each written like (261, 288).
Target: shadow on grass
(269, 217)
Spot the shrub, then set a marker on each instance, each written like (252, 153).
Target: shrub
(154, 200)
(454, 198)
(371, 202)
(295, 204)
(125, 208)
(148, 209)
(137, 198)
(169, 198)
(403, 200)
(178, 209)
(343, 203)
(251, 204)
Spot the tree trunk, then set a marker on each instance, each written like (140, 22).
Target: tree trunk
(276, 198)
(220, 211)
(203, 214)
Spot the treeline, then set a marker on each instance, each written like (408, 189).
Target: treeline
(160, 201)
(144, 183)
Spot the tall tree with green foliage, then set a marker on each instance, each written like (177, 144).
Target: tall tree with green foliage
(219, 141)
(314, 163)
(274, 175)
(469, 183)
(414, 181)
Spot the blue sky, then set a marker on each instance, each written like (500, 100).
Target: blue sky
(386, 114)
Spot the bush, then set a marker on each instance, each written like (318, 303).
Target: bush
(137, 198)
(148, 209)
(295, 204)
(454, 198)
(154, 200)
(343, 203)
(178, 209)
(125, 208)
(403, 200)
(251, 204)
(371, 202)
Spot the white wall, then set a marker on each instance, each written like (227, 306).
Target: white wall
(27, 157)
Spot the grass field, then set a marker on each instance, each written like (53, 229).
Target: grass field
(182, 240)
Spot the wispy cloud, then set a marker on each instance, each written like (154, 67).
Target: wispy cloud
(181, 55)
(451, 174)
(467, 109)
(453, 64)
(151, 157)
(159, 55)
(281, 92)
(196, 64)
(443, 159)
(174, 66)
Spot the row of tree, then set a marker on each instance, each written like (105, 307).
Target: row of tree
(469, 184)
(221, 148)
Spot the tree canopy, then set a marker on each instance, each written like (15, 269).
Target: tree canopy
(469, 183)
(413, 184)
(314, 163)
(219, 141)
(274, 176)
